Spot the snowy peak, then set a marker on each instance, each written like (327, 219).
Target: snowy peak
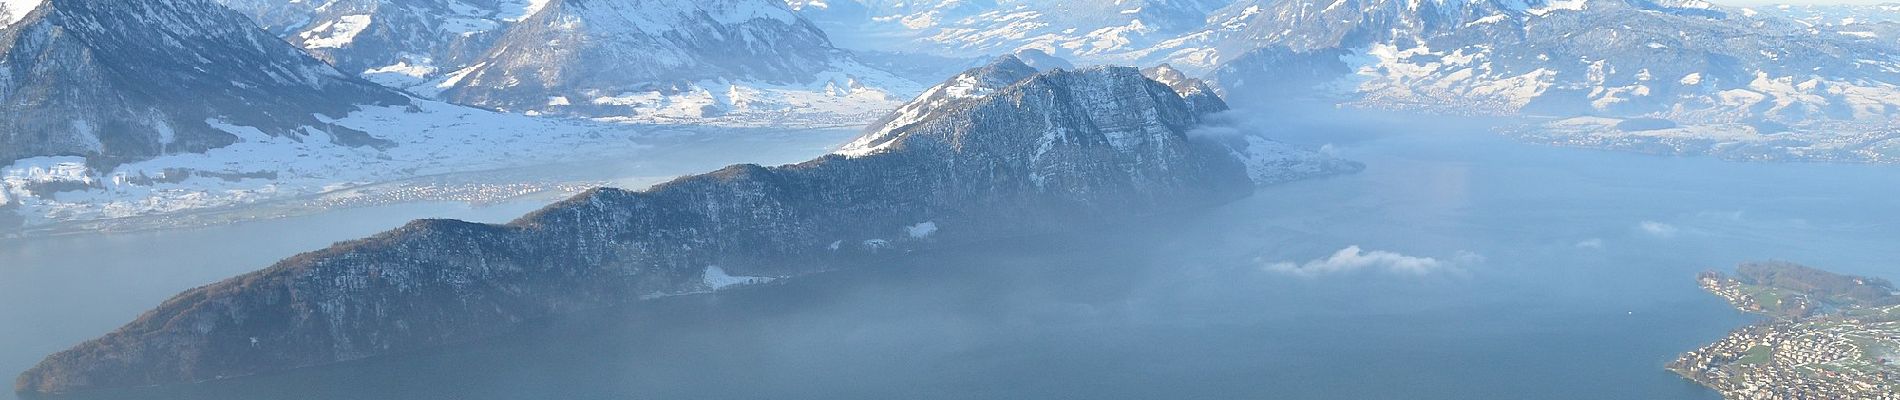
(12, 11)
(1042, 60)
(999, 73)
(969, 85)
(1043, 116)
(122, 81)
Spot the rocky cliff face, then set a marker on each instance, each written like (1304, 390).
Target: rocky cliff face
(1045, 152)
(117, 81)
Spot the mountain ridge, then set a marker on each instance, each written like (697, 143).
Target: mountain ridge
(1047, 153)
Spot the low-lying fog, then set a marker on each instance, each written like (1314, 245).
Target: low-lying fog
(1459, 265)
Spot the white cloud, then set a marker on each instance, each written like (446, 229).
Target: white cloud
(922, 230)
(1658, 229)
(1592, 243)
(1354, 259)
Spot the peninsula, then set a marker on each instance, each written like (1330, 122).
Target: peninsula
(1827, 336)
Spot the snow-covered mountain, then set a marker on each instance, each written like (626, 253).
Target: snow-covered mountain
(1099, 32)
(731, 61)
(1821, 15)
(1693, 77)
(1697, 77)
(1688, 62)
(396, 43)
(117, 81)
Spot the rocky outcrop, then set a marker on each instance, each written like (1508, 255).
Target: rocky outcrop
(1046, 152)
(118, 81)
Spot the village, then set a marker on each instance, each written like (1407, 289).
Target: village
(1849, 353)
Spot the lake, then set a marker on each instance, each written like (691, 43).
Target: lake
(1486, 269)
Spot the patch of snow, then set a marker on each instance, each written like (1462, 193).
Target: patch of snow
(1692, 79)
(335, 34)
(411, 71)
(1558, 5)
(517, 10)
(1490, 19)
(12, 11)
(715, 279)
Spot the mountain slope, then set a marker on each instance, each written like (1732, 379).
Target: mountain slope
(1047, 153)
(396, 43)
(1096, 32)
(120, 81)
(645, 60)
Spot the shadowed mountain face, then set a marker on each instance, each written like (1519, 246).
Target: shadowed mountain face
(119, 81)
(1047, 153)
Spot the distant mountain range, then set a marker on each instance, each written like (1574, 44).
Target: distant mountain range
(106, 108)
(1688, 62)
(1677, 76)
(88, 88)
(1832, 15)
(643, 60)
(1103, 32)
(1013, 152)
(119, 82)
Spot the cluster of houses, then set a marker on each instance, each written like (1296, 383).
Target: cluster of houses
(1818, 357)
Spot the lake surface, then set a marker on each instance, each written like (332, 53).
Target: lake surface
(1490, 270)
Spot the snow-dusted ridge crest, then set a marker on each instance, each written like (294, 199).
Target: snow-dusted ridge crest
(1047, 154)
(1267, 161)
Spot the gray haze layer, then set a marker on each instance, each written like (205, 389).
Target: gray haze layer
(1485, 269)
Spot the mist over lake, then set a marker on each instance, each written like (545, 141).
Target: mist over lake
(1458, 265)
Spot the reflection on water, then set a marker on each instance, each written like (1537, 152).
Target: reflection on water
(1489, 270)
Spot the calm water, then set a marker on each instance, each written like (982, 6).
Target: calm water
(1554, 274)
